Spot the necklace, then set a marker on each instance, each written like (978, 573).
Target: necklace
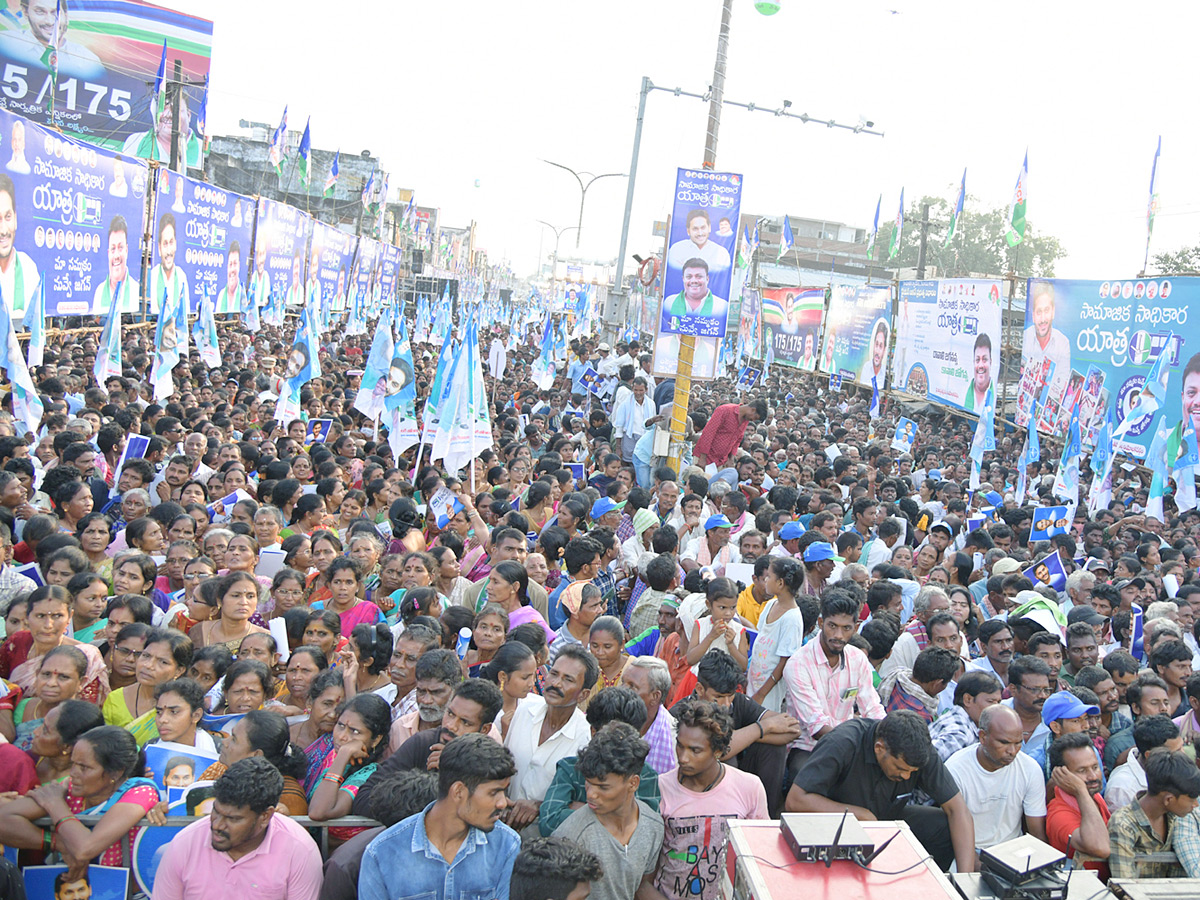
(712, 784)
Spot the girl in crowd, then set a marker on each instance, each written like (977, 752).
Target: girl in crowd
(64, 564)
(324, 630)
(606, 641)
(345, 583)
(366, 659)
(48, 615)
(359, 739)
(514, 670)
(720, 628)
(239, 599)
(134, 573)
(780, 633)
(209, 665)
(103, 781)
(91, 599)
(178, 709)
(165, 657)
(303, 667)
(487, 634)
(326, 547)
(58, 680)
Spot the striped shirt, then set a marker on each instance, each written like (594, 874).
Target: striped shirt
(819, 696)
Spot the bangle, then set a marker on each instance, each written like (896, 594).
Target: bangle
(761, 734)
(47, 841)
(333, 778)
(59, 824)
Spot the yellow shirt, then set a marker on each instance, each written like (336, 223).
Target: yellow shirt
(749, 608)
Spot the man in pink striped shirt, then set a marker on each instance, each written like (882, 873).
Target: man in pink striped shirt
(829, 682)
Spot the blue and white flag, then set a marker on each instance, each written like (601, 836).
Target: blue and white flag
(27, 405)
(1066, 479)
(35, 323)
(958, 208)
(373, 384)
(108, 353)
(786, 241)
(1100, 492)
(170, 343)
(433, 410)
(1156, 461)
(277, 149)
(874, 230)
(400, 398)
(1031, 453)
(874, 398)
(1152, 396)
(205, 333)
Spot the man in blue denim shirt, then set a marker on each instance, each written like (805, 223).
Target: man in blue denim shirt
(457, 847)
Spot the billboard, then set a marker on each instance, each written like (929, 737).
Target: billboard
(73, 215)
(1092, 343)
(205, 232)
(366, 270)
(108, 52)
(698, 272)
(857, 331)
(389, 269)
(331, 253)
(281, 235)
(948, 341)
(792, 325)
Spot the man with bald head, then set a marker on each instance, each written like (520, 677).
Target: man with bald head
(1003, 787)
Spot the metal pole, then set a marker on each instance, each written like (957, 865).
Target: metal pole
(687, 343)
(177, 84)
(618, 295)
(924, 241)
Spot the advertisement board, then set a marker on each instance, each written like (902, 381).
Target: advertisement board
(857, 331)
(331, 254)
(281, 235)
(948, 341)
(792, 323)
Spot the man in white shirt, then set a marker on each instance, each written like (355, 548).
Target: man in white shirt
(1129, 778)
(630, 417)
(1043, 341)
(698, 245)
(1003, 787)
(549, 728)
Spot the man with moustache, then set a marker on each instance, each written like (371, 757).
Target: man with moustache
(1077, 816)
(232, 299)
(459, 833)
(166, 278)
(260, 281)
(118, 284)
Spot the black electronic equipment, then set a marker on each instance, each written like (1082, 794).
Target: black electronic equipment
(826, 837)
(1025, 868)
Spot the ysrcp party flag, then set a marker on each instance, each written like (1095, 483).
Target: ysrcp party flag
(277, 149)
(170, 342)
(205, 333)
(373, 385)
(897, 229)
(1016, 214)
(35, 323)
(874, 230)
(958, 208)
(27, 406)
(108, 354)
(401, 399)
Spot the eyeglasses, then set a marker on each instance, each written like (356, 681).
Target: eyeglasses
(1037, 692)
(196, 576)
(289, 593)
(124, 651)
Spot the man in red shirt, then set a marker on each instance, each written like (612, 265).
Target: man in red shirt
(1077, 817)
(724, 431)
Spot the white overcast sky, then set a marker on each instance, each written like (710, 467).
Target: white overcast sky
(448, 92)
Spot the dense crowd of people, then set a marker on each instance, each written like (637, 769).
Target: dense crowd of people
(576, 679)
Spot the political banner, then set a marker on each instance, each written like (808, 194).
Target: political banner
(90, 883)
(948, 341)
(75, 215)
(1047, 522)
(857, 332)
(281, 235)
(792, 324)
(750, 344)
(108, 53)
(390, 260)
(748, 377)
(1089, 339)
(904, 436)
(366, 270)
(330, 256)
(202, 241)
(698, 274)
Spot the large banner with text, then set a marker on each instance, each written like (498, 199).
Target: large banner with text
(792, 324)
(281, 235)
(857, 332)
(948, 341)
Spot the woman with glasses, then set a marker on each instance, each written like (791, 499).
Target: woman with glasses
(165, 657)
(287, 591)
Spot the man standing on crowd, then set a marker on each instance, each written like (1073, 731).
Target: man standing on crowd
(723, 433)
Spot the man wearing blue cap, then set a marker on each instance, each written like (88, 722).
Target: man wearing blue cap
(712, 549)
(818, 565)
(606, 513)
(789, 540)
(1063, 713)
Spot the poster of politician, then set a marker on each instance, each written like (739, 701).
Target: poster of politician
(281, 235)
(330, 257)
(107, 54)
(202, 244)
(73, 214)
(792, 324)
(858, 332)
(1104, 337)
(948, 341)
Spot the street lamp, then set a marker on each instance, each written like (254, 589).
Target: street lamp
(558, 233)
(583, 190)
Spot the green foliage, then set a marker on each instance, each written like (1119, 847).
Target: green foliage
(978, 248)
(1184, 261)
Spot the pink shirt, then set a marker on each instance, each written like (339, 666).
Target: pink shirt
(285, 866)
(819, 695)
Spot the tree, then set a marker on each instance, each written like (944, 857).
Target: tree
(1184, 261)
(978, 248)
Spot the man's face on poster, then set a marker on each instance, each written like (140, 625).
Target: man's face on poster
(296, 263)
(983, 368)
(295, 364)
(232, 267)
(397, 377)
(8, 225)
(808, 344)
(166, 121)
(879, 348)
(166, 249)
(341, 284)
(169, 340)
(40, 15)
(1043, 315)
(698, 230)
(1191, 398)
(18, 139)
(74, 890)
(695, 284)
(118, 257)
(260, 258)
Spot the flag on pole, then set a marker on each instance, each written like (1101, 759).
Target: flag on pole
(108, 354)
(958, 208)
(368, 189)
(1153, 394)
(787, 241)
(278, 147)
(168, 336)
(432, 404)
(874, 397)
(332, 178)
(160, 82)
(897, 230)
(205, 333)
(305, 152)
(1100, 492)
(202, 116)
(1152, 205)
(1156, 460)
(27, 405)
(402, 403)
(35, 323)
(369, 400)
(874, 230)
(1016, 215)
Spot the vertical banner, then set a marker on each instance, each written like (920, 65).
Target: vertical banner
(108, 52)
(699, 268)
(1086, 341)
(857, 331)
(792, 323)
(204, 232)
(331, 255)
(389, 269)
(281, 235)
(948, 341)
(74, 217)
(750, 324)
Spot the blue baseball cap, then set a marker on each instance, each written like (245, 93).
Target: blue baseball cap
(819, 551)
(790, 531)
(603, 506)
(717, 521)
(1065, 705)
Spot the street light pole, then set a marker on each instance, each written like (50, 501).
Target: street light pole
(558, 233)
(583, 189)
